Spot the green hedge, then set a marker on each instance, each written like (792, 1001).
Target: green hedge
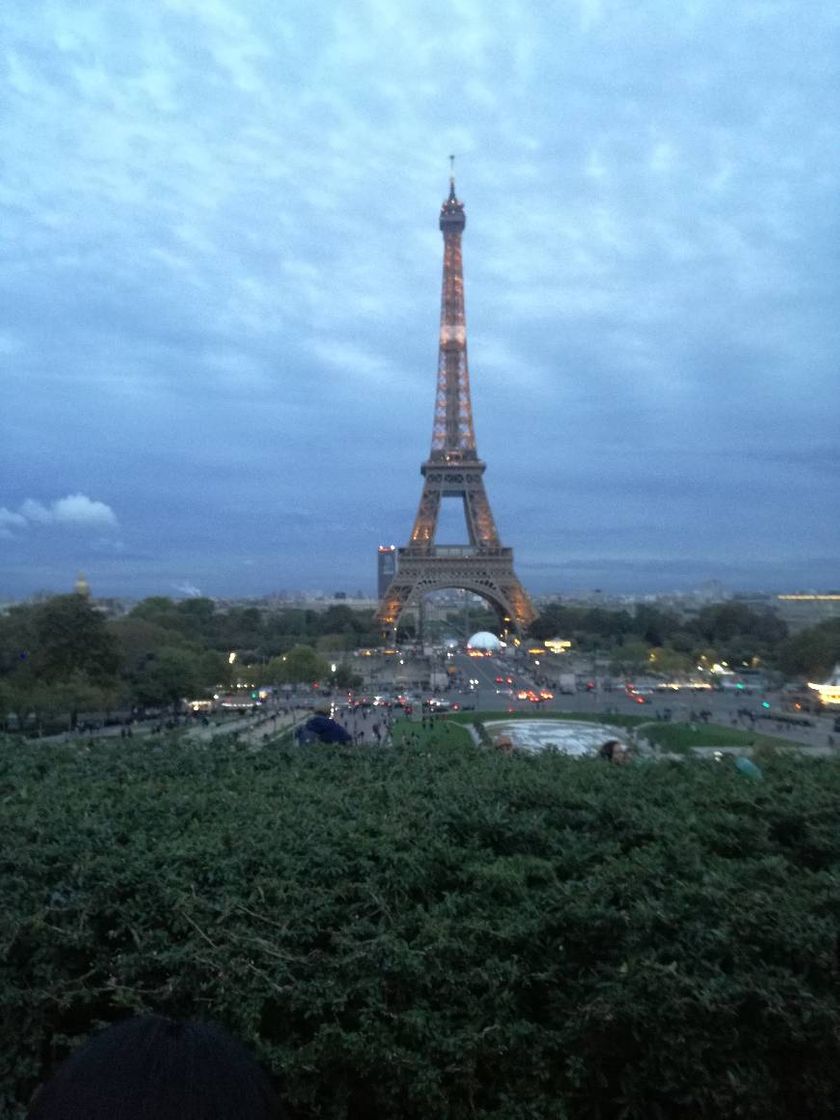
(438, 931)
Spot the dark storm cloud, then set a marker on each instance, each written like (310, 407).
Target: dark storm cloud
(221, 275)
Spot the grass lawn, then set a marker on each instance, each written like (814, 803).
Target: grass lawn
(676, 737)
(682, 737)
(447, 729)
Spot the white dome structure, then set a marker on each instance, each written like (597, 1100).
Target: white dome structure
(486, 641)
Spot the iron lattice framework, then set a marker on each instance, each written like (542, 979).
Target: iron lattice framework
(453, 469)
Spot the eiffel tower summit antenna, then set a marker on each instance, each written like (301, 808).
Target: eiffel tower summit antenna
(453, 470)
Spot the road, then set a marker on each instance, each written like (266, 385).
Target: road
(684, 706)
(489, 694)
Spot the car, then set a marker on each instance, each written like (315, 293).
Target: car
(436, 704)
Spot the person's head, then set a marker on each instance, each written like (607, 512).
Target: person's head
(608, 748)
(621, 753)
(153, 1068)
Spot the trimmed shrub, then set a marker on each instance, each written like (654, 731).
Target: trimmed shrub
(411, 932)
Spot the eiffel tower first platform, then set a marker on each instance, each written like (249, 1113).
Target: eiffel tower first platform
(454, 469)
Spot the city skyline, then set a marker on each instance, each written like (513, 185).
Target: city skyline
(222, 273)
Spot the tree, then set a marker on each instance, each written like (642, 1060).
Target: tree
(667, 661)
(71, 637)
(58, 656)
(7, 702)
(588, 627)
(72, 695)
(157, 608)
(137, 638)
(813, 652)
(344, 677)
(719, 623)
(167, 677)
(630, 657)
(299, 665)
(654, 625)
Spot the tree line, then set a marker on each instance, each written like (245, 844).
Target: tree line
(62, 656)
(670, 642)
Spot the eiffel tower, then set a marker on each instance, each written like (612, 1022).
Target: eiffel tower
(454, 469)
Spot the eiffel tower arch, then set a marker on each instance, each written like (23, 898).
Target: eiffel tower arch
(453, 470)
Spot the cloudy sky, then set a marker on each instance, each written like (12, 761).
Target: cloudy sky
(220, 285)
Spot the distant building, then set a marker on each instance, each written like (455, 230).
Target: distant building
(386, 567)
(806, 609)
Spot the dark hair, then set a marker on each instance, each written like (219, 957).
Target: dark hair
(153, 1068)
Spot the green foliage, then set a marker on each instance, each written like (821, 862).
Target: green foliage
(669, 661)
(434, 931)
(728, 631)
(344, 677)
(722, 622)
(166, 677)
(57, 656)
(588, 627)
(631, 656)
(813, 652)
(71, 637)
(300, 665)
(60, 656)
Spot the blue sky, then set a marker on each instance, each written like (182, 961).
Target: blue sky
(220, 286)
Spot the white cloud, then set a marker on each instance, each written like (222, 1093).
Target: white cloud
(8, 517)
(8, 521)
(75, 510)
